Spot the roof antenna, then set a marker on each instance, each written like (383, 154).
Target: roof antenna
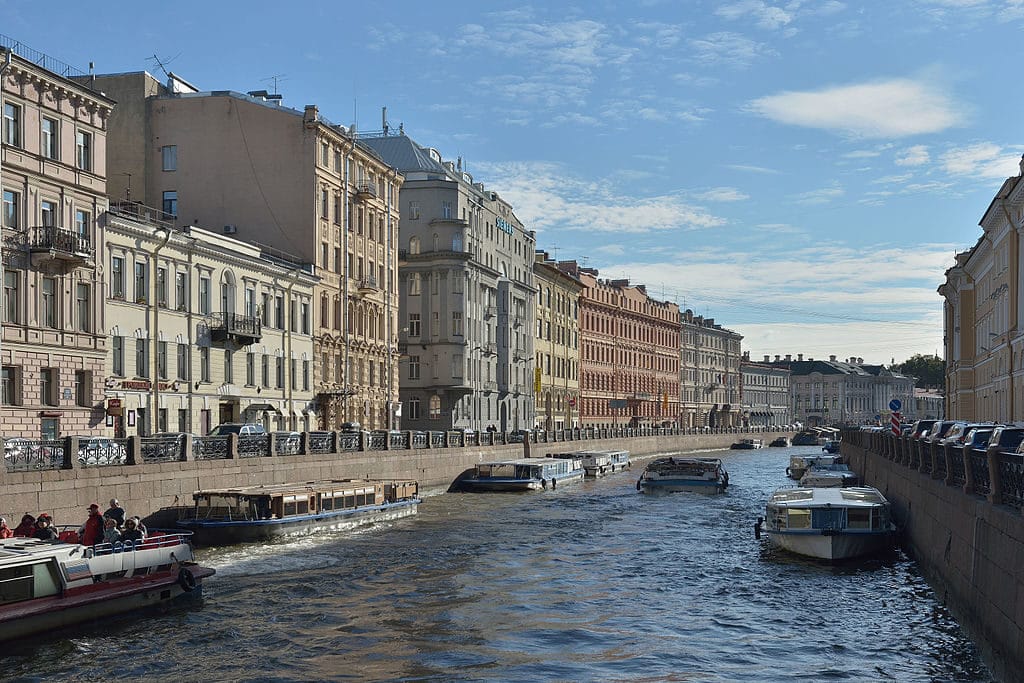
(275, 79)
(162, 64)
(384, 120)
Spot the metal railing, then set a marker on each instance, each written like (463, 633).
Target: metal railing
(51, 238)
(24, 455)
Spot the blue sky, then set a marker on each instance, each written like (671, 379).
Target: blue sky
(801, 171)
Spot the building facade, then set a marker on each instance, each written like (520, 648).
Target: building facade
(204, 329)
(249, 167)
(466, 296)
(709, 370)
(557, 346)
(764, 393)
(629, 353)
(53, 172)
(984, 347)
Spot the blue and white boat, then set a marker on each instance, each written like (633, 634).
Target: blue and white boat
(828, 523)
(600, 463)
(523, 474)
(835, 474)
(671, 475)
(262, 513)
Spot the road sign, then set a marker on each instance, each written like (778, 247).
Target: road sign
(895, 405)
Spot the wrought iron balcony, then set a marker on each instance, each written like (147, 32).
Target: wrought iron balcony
(368, 285)
(366, 191)
(62, 244)
(240, 329)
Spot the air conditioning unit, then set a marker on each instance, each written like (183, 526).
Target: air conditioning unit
(230, 229)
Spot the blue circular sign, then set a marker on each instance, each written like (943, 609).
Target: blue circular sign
(895, 405)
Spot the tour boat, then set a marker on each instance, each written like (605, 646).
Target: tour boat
(600, 463)
(747, 444)
(828, 523)
(524, 474)
(262, 513)
(51, 585)
(799, 464)
(831, 446)
(807, 438)
(836, 474)
(780, 442)
(670, 475)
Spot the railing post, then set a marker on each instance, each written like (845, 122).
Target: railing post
(70, 453)
(949, 464)
(363, 434)
(272, 444)
(133, 455)
(995, 483)
(232, 446)
(186, 447)
(304, 447)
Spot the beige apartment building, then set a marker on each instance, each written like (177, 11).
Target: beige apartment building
(557, 346)
(248, 167)
(709, 373)
(764, 393)
(984, 347)
(204, 329)
(53, 169)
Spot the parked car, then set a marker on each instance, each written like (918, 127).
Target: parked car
(939, 430)
(351, 427)
(518, 435)
(1005, 438)
(921, 428)
(977, 439)
(958, 432)
(242, 429)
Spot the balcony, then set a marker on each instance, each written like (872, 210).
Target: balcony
(490, 311)
(366, 191)
(368, 285)
(232, 327)
(489, 349)
(140, 212)
(490, 386)
(61, 244)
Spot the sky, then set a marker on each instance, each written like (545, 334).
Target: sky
(803, 172)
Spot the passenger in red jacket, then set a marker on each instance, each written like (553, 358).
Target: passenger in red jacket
(5, 531)
(27, 526)
(92, 532)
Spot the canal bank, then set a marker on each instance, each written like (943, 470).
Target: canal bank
(968, 544)
(154, 490)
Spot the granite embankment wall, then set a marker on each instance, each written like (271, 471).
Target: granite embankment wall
(153, 490)
(969, 548)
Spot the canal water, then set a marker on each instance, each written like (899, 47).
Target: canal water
(591, 582)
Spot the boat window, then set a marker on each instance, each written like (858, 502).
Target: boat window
(858, 518)
(778, 520)
(799, 518)
(27, 581)
(214, 506)
(295, 505)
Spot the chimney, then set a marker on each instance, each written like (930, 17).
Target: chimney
(311, 115)
(832, 358)
(778, 358)
(800, 357)
(766, 357)
(789, 357)
(860, 361)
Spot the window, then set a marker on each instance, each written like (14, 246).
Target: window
(229, 369)
(83, 388)
(337, 209)
(325, 154)
(457, 366)
(414, 324)
(10, 385)
(161, 287)
(161, 359)
(12, 124)
(140, 282)
(117, 353)
(48, 387)
(414, 367)
(456, 323)
(48, 213)
(51, 138)
(266, 370)
(435, 407)
(169, 153)
(82, 308)
(170, 202)
(204, 294)
(414, 409)
(183, 361)
(204, 363)
(446, 209)
(117, 277)
(11, 209)
(304, 317)
(83, 150)
(83, 222)
(250, 369)
(12, 279)
(435, 324)
(414, 284)
(49, 312)
(414, 211)
(292, 375)
(414, 245)
(305, 375)
(279, 372)
(323, 203)
(180, 291)
(279, 312)
(141, 358)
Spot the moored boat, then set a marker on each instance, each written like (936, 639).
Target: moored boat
(670, 475)
(47, 586)
(836, 474)
(780, 442)
(523, 474)
(747, 444)
(600, 463)
(807, 438)
(828, 523)
(831, 446)
(261, 513)
(799, 464)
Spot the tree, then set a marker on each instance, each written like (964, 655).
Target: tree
(929, 370)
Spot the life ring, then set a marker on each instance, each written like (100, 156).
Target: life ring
(186, 580)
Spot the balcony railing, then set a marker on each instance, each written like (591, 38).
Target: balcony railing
(141, 212)
(62, 244)
(366, 191)
(241, 329)
(368, 284)
(489, 349)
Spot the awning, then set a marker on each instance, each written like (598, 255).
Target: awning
(261, 407)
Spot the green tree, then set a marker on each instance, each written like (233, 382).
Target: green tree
(929, 370)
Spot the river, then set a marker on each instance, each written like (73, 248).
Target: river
(590, 582)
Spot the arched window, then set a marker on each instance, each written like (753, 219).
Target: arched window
(414, 284)
(457, 242)
(435, 407)
(414, 245)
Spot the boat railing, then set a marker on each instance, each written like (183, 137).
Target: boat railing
(156, 539)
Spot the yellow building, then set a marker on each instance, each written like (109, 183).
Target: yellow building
(205, 327)
(557, 346)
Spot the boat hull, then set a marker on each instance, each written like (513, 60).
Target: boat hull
(214, 532)
(104, 599)
(832, 546)
(681, 486)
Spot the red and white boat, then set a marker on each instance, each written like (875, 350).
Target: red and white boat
(46, 586)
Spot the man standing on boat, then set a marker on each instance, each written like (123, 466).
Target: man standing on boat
(92, 532)
(115, 512)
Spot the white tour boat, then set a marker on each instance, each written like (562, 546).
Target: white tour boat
(828, 523)
(799, 464)
(52, 585)
(600, 463)
(836, 474)
(669, 475)
(524, 474)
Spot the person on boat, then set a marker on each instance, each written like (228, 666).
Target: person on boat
(91, 532)
(44, 530)
(115, 512)
(5, 531)
(131, 532)
(139, 525)
(27, 526)
(111, 534)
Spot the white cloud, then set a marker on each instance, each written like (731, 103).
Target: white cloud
(862, 154)
(913, 156)
(892, 108)
(722, 194)
(728, 49)
(767, 16)
(820, 196)
(981, 160)
(753, 169)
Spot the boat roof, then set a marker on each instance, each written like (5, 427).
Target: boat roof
(19, 550)
(296, 487)
(804, 497)
(521, 461)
